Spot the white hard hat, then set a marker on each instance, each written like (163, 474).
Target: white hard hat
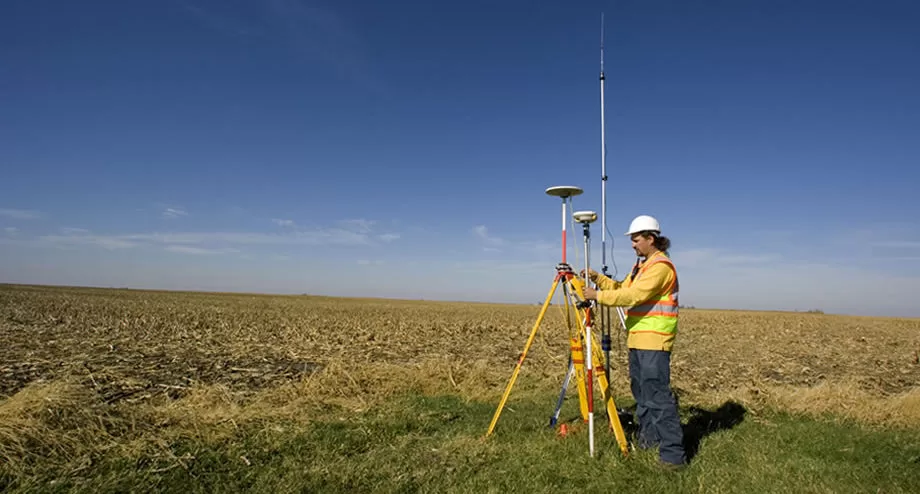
(643, 223)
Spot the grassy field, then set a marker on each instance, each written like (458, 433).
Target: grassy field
(120, 390)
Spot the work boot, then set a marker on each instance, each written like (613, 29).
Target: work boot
(671, 467)
(646, 445)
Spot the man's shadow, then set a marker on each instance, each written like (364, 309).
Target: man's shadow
(702, 423)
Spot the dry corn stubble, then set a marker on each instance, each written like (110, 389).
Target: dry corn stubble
(128, 367)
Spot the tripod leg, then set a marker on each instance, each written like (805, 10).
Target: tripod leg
(578, 356)
(612, 413)
(605, 342)
(565, 384)
(520, 362)
(577, 342)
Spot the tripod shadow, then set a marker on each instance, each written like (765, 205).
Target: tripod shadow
(705, 422)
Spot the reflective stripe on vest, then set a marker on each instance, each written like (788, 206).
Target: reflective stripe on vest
(658, 315)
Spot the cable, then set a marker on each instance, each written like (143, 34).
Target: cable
(616, 270)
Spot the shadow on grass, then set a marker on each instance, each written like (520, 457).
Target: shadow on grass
(702, 423)
(705, 422)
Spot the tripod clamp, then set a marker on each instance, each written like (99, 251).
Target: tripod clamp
(564, 268)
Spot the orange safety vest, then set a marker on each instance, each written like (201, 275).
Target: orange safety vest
(652, 324)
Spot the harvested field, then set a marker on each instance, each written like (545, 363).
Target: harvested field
(132, 346)
(85, 372)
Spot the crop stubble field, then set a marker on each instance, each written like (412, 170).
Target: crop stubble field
(101, 368)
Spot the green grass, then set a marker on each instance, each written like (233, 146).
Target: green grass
(435, 444)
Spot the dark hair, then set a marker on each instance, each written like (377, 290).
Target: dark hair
(661, 242)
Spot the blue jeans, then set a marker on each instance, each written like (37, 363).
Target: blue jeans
(656, 406)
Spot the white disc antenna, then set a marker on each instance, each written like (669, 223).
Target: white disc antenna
(585, 217)
(564, 191)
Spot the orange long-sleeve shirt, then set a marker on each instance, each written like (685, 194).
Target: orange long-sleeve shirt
(649, 285)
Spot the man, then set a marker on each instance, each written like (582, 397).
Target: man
(650, 293)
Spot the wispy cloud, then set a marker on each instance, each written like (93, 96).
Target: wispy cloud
(21, 214)
(174, 213)
(482, 233)
(359, 225)
(527, 247)
(312, 237)
(347, 233)
(11, 230)
(106, 242)
(366, 262)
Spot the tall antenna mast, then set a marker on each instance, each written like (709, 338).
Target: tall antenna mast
(603, 162)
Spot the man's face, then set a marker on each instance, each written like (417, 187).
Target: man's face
(642, 245)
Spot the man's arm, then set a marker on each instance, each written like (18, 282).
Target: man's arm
(652, 283)
(605, 283)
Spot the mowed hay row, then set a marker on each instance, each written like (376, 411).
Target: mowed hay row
(169, 349)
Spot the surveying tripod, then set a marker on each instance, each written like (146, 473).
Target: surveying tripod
(584, 352)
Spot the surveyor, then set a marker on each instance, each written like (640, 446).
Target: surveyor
(649, 293)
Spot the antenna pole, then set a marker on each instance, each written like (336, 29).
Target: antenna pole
(603, 162)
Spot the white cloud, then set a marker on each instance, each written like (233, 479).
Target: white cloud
(482, 233)
(358, 225)
(212, 242)
(284, 223)
(21, 214)
(318, 236)
(707, 283)
(11, 230)
(174, 213)
(106, 242)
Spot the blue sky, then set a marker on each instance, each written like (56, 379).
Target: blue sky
(402, 149)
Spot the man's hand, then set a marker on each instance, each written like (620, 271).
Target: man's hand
(590, 293)
(591, 273)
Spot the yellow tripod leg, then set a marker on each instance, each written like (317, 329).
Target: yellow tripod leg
(599, 367)
(520, 362)
(578, 358)
(577, 346)
(576, 351)
(607, 395)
